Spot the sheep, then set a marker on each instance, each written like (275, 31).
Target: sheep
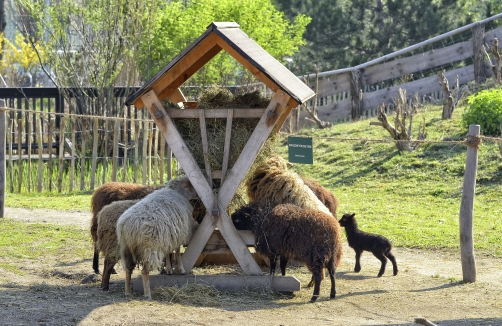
(107, 238)
(324, 195)
(361, 241)
(153, 228)
(271, 182)
(292, 232)
(106, 194)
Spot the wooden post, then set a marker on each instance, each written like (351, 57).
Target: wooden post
(478, 32)
(72, 153)
(467, 205)
(11, 141)
(62, 123)
(356, 94)
(83, 139)
(3, 135)
(19, 153)
(40, 138)
(144, 152)
(50, 139)
(94, 152)
(115, 151)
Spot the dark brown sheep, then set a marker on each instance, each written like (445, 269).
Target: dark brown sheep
(107, 194)
(361, 241)
(292, 232)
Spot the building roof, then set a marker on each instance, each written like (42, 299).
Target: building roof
(229, 37)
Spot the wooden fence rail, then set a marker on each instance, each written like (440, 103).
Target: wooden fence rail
(355, 93)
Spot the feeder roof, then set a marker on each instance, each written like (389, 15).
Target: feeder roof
(229, 37)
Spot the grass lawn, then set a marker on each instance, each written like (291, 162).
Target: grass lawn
(413, 198)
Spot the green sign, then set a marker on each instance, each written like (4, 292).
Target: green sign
(300, 150)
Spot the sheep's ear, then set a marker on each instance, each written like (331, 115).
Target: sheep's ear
(353, 215)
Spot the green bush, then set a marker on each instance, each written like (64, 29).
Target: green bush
(485, 109)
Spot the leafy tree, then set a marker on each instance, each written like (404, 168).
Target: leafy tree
(181, 22)
(18, 58)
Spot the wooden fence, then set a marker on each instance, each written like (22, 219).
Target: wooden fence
(137, 151)
(356, 92)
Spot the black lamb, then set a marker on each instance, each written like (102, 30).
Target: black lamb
(361, 241)
(292, 232)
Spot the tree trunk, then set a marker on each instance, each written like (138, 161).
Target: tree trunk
(477, 39)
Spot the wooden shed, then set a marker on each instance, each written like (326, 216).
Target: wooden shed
(289, 92)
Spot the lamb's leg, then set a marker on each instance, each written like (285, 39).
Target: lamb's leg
(129, 264)
(357, 268)
(393, 261)
(284, 262)
(180, 268)
(273, 263)
(146, 283)
(317, 285)
(332, 270)
(107, 271)
(383, 259)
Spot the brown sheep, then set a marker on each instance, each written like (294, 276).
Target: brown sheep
(325, 196)
(292, 232)
(107, 242)
(107, 194)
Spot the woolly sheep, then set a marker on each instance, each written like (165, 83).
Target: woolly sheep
(153, 228)
(273, 184)
(107, 194)
(292, 232)
(324, 195)
(361, 241)
(107, 238)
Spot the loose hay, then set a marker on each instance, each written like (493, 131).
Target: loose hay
(217, 98)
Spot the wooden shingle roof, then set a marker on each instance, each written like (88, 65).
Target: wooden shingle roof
(229, 37)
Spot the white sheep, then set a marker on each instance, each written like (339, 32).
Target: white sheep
(153, 228)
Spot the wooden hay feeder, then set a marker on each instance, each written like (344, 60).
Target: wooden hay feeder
(289, 92)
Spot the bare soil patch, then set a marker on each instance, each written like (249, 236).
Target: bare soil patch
(428, 285)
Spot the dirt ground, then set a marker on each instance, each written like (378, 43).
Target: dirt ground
(428, 286)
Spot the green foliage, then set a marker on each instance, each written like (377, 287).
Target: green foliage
(347, 33)
(181, 22)
(485, 109)
(414, 197)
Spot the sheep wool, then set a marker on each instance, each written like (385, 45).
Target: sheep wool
(292, 232)
(107, 237)
(275, 186)
(107, 194)
(153, 228)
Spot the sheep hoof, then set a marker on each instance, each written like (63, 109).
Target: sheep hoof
(332, 296)
(313, 299)
(113, 271)
(379, 275)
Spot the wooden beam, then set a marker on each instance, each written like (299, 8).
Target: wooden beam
(176, 96)
(216, 113)
(205, 146)
(226, 147)
(184, 69)
(255, 71)
(223, 282)
(258, 137)
(178, 147)
(289, 107)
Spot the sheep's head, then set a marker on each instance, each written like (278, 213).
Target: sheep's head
(348, 219)
(243, 217)
(184, 187)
